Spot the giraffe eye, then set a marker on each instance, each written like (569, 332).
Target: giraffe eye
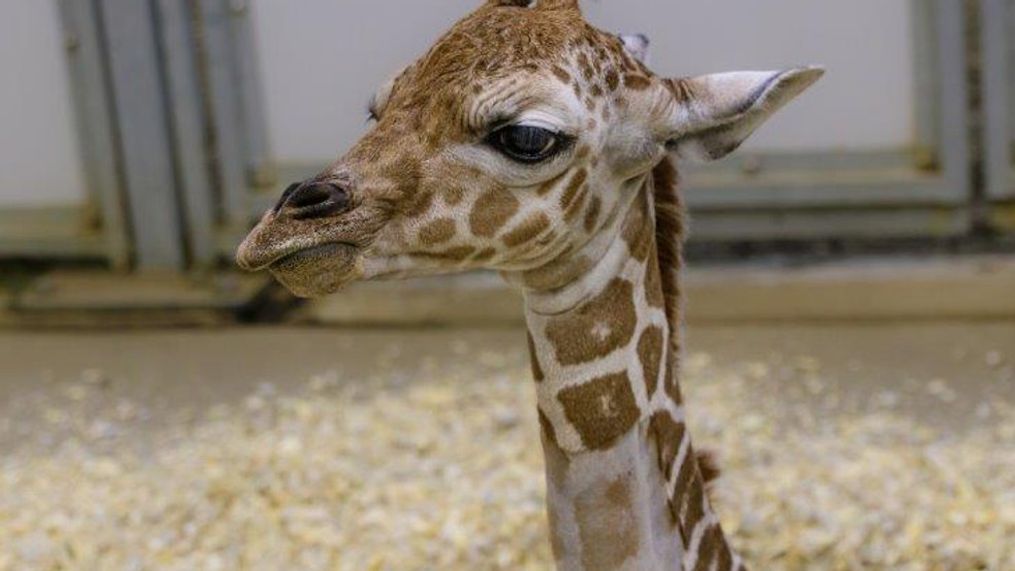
(527, 144)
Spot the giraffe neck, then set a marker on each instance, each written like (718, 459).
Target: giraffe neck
(624, 487)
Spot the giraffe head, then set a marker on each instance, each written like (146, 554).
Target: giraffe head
(512, 145)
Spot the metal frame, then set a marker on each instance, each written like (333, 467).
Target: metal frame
(997, 20)
(172, 129)
(142, 108)
(172, 125)
(923, 190)
(236, 100)
(100, 230)
(188, 122)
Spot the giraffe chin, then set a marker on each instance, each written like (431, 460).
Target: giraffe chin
(318, 271)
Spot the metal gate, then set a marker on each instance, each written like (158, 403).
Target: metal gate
(176, 149)
(997, 24)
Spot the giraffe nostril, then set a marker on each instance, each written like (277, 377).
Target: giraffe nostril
(315, 200)
(285, 196)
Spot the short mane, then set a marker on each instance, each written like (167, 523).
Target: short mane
(670, 234)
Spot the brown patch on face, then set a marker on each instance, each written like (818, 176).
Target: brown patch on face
(527, 231)
(596, 329)
(650, 353)
(592, 214)
(437, 232)
(492, 211)
(636, 82)
(459, 254)
(582, 153)
(576, 182)
(485, 255)
(419, 205)
(586, 67)
(454, 195)
(612, 80)
(606, 525)
(537, 369)
(590, 103)
(597, 91)
(601, 410)
(561, 74)
(549, 185)
(576, 207)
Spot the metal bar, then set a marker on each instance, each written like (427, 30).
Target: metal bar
(926, 74)
(954, 109)
(806, 190)
(187, 120)
(996, 20)
(52, 232)
(260, 163)
(837, 223)
(144, 132)
(95, 127)
(226, 109)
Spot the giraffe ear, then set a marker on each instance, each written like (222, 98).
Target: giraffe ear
(714, 114)
(637, 45)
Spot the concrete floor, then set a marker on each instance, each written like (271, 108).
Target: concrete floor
(944, 374)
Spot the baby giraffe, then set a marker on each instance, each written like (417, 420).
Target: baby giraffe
(529, 142)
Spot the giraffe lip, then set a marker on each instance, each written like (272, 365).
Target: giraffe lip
(301, 255)
(252, 260)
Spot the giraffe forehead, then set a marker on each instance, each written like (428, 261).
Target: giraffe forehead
(495, 42)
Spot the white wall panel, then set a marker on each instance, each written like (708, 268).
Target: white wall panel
(39, 161)
(323, 59)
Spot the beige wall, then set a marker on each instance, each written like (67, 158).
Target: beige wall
(39, 161)
(323, 58)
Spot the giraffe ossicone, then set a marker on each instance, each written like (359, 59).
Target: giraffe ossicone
(529, 142)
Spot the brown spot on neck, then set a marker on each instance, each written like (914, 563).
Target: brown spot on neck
(639, 229)
(601, 410)
(650, 353)
(606, 525)
(597, 328)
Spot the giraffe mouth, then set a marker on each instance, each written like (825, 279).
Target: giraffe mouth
(318, 270)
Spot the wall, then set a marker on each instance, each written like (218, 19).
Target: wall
(323, 60)
(39, 162)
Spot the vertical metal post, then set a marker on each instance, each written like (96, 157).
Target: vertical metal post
(927, 73)
(139, 96)
(187, 119)
(251, 92)
(954, 105)
(95, 127)
(227, 110)
(997, 18)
